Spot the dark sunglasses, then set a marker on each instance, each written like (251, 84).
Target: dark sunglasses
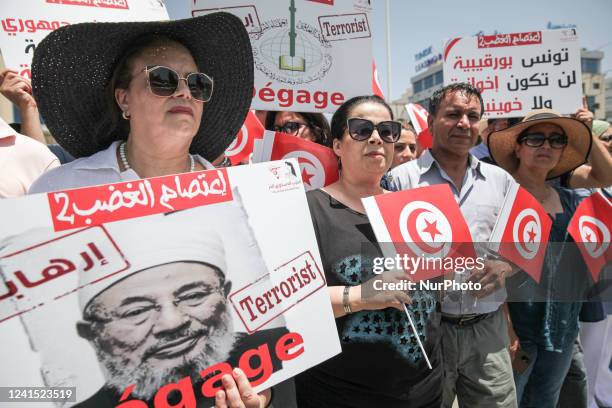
(606, 138)
(555, 140)
(361, 129)
(291, 128)
(164, 81)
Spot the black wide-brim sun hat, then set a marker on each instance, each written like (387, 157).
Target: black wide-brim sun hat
(73, 65)
(579, 140)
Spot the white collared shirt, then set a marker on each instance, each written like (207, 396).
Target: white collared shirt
(99, 168)
(480, 199)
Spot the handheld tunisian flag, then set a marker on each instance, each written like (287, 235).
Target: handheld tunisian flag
(318, 164)
(521, 232)
(242, 146)
(590, 228)
(418, 117)
(423, 222)
(376, 88)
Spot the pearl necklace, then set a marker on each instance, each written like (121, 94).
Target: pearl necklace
(127, 166)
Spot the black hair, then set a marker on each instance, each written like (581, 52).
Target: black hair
(338, 122)
(463, 87)
(317, 122)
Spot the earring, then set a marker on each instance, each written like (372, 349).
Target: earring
(125, 115)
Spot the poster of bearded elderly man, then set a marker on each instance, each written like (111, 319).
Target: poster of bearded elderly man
(163, 316)
(168, 317)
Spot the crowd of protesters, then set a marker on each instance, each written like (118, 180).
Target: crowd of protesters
(150, 109)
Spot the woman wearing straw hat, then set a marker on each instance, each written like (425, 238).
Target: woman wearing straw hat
(544, 146)
(135, 100)
(142, 99)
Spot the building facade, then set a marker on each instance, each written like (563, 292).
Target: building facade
(608, 98)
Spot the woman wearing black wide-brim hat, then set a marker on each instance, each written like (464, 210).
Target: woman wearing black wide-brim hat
(142, 99)
(544, 146)
(145, 99)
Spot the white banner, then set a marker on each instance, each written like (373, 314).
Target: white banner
(26, 22)
(519, 72)
(152, 301)
(310, 55)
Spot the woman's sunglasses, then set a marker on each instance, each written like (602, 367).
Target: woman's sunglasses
(164, 81)
(555, 140)
(361, 129)
(291, 128)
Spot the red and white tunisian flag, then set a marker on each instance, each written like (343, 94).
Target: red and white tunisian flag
(376, 88)
(590, 228)
(418, 117)
(318, 164)
(242, 146)
(423, 222)
(521, 232)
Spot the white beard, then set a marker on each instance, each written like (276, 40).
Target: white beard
(148, 379)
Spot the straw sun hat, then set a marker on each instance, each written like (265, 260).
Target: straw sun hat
(501, 143)
(73, 65)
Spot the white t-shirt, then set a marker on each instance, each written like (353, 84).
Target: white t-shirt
(22, 160)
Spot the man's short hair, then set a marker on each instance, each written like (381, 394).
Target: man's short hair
(463, 87)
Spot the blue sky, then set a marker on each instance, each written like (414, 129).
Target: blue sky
(415, 25)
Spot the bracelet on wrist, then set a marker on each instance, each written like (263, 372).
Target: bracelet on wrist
(345, 300)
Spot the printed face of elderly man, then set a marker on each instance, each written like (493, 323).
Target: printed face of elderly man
(159, 325)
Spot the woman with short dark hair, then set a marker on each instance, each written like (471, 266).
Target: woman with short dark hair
(381, 364)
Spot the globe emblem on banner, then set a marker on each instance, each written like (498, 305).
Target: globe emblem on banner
(595, 234)
(527, 233)
(425, 229)
(291, 51)
(311, 169)
(239, 142)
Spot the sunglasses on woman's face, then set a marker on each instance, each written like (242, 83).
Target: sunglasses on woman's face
(164, 82)
(361, 129)
(291, 128)
(555, 140)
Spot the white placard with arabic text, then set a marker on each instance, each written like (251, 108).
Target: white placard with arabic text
(26, 22)
(519, 72)
(309, 55)
(127, 269)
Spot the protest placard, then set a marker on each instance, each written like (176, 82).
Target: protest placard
(302, 49)
(318, 164)
(519, 72)
(26, 23)
(136, 301)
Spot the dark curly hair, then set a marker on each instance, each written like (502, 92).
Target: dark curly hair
(317, 122)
